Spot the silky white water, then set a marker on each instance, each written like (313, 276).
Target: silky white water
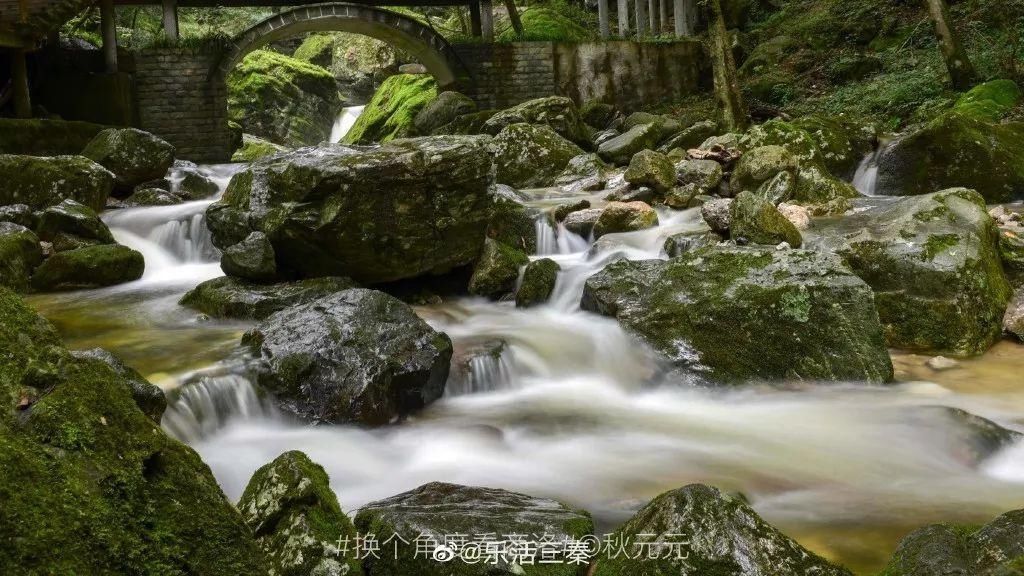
(565, 408)
(346, 119)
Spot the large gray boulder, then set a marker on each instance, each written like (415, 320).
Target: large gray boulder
(89, 267)
(433, 512)
(731, 314)
(442, 110)
(933, 262)
(620, 149)
(133, 156)
(406, 209)
(699, 531)
(228, 297)
(356, 356)
(40, 182)
(557, 112)
(531, 156)
(297, 520)
(625, 217)
(250, 259)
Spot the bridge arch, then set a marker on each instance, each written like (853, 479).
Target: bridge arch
(405, 33)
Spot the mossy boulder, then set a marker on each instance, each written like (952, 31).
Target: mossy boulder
(586, 172)
(19, 214)
(597, 114)
(70, 217)
(730, 314)
(759, 165)
(317, 49)
(758, 221)
(990, 100)
(683, 242)
(357, 356)
(1011, 250)
(131, 155)
(20, 254)
(620, 149)
(392, 111)
(251, 259)
(958, 148)
(433, 512)
(581, 222)
(538, 283)
(228, 297)
(699, 531)
(556, 112)
(91, 484)
(843, 143)
(296, 518)
(466, 125)
(406, 209)
(282, 99)
(706, 175)
(1013, 320)
(625, 217)
(995, 549)
(690, 137)
(512, 222)
(190, 182)
(651, 169)
(497, 270)
(152, 197)
(442, 110)
(45, 137)
(933, 262)
(255, 148)
(531, 155)
(148, 397)
(89, 267)
(43, 182)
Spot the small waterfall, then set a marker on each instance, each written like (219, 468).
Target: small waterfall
(552, 240)
(484, 368)
(344, 122)
(865, 179)
(200, 408)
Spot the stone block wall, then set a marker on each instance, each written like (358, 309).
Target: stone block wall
(179, 100)
(627, 74)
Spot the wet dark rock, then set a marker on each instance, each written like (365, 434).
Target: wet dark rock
(250, 259)
(933, 262)
(582, 222)
(89, 267)
(148, 397)
(228, 297)
(760, 222)
(732, 314)
(583, 173)
(152, 197)
(684, 242)
(562, 210)
(597, 114)
(443, 110)
(133, 156)
(40, 182)
(71, 217)
(512, 222)
(20, 254)
(714, 534)
(407, 209)
(189, 181)
(620, 149)
(557, 112)
(297, 520)
(538, 283)
(19, 214)
(435, 510)
(357, 356)
(690, 137)
(497, 270)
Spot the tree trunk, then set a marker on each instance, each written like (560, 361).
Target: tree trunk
(961, 71)
(513, 15)
(727, 86)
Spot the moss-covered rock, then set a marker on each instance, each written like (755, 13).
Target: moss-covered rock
(759, 165)
(706, 175)
(357, 356)
(620, 149)
(45, 137)
(317, 49)
(651, 169)
(433, 512)
(679, 244)
(1011, 250)
(730, 314)
(758, 221)
(42, 182)
(91, 485)
(995, 549)
(582, 222)
(20, 254)
(538, 283)
(842, 142)
(497, 270)
(531, 155)
(189, 181)
(512, 222)
(251, 259)
(597, 114)
(297, 520)
(466, 125)
(1013, 320)
(699, 531)
(148, 397)
(625, 217)
(89, 267)
(556, 112)
(586, 172)
(255, 148)
(152, 197)
(70, 217)
(282, 99)
(228, 297)
(406, 209)
(131, 155)
(392, 111)
(690, 137)
(990, 100)
(443, 110)
(933, 262)
(19, 214)
(547, 24)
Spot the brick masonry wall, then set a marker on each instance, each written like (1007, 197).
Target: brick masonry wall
(178, 101)
(627, 74)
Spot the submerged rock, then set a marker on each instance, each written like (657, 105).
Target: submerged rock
(228, 297)
(89, 267)
(995, 549)
(698, 531)
(42, 182)
(20, 254)
(297, 520)
(625, 217)
(356, 356)
(933, 262)
(736, 313)
(758, 221)
(133, 156)
(406, 209)
(433, 512)
(538, 283)
(497, 270)
(529, 156)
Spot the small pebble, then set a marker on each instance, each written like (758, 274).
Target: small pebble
(939, 363)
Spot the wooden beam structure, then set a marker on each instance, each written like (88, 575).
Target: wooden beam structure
(108, 28)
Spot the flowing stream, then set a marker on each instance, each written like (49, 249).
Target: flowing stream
(558, 404)
(346, 119)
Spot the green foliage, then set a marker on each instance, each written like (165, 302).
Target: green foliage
(556, 21)
(391, 112)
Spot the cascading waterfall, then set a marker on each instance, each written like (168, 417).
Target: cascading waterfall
(204, 404)
(865, 179)
(346, 119)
